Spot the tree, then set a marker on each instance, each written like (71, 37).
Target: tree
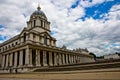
(92, 55)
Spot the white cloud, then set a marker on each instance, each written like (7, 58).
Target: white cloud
(91, 34)
(87, 3)
(76, 13)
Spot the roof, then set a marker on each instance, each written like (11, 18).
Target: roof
(38, 12)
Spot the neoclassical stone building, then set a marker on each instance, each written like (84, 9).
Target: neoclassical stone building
(35, 48)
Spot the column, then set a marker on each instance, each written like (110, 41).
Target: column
(74, 59)
(27, 57)
(63, 58)
(3, 61)
(21, 58)
(50, 59)
(66, 58)
(38, 58)
(15, 60)
(6, 60)
(69, 59)
(55, 59)
(44, 59)
(79, 59)
(59, 58)
(11, 57)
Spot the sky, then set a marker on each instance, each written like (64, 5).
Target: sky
(91, 24)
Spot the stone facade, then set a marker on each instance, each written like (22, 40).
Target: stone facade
(35, 48)
(112, 56)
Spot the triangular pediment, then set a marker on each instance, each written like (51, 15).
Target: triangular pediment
(46, 33)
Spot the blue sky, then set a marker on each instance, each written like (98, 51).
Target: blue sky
(97, 10)
(92, 24)
(100, 8)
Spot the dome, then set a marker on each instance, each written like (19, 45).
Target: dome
(39, 12)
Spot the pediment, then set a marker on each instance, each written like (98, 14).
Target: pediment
(46, 33)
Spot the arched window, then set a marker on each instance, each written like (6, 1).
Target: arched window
(45, 40)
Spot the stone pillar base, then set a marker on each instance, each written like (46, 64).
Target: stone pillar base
(38, 65)
(45, 65)
(50, 64)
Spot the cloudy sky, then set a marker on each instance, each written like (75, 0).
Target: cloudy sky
(92, 24)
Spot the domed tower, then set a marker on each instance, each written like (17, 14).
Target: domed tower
(38, 29)
(38, 21)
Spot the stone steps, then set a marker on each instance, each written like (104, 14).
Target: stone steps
(80, 67)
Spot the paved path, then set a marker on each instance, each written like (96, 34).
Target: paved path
(113, 75)
(20, 79)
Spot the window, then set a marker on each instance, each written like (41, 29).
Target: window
(41, 23)
(45, 40)
(16, 43)
(34, 23)
(34, 37)
(24, 37)
(12, 45)
(6, 47)
(3, 48)
(9, 46)
(44, 24)
(31, 24)
(40, 39)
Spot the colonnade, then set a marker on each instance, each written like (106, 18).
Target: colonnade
(36, 57)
